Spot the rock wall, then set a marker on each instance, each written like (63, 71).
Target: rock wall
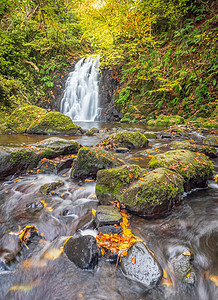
(108, 84)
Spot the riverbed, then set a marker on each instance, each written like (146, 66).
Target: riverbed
(38, 272)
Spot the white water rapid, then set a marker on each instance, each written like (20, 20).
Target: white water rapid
(81, 96)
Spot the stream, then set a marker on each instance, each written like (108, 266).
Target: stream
(36, 272)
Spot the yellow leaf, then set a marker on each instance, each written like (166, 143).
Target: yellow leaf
(93, 211)
(53, 253)
(214, 279)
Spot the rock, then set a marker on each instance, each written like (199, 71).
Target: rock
(111, 230)
(55, 166)
(90, 160)
(22, 117)
(182, 268)
(48, 187)
(82, 251)
(209, 151)
(121, 150)
(195, 168)
(107, 215)
(15, 160)
(92, 131)
(150, 135)
(154, 194)
(211, 140)
(54, 123)
(163, 120)
(110, 182)
(140, 265)
(130, 140)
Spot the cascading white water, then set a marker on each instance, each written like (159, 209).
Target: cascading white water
(81, 96)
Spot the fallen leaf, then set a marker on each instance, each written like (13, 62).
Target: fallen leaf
(53, 253)
(133, 260)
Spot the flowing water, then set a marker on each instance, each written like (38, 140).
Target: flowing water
(37, 272)
(81, 95)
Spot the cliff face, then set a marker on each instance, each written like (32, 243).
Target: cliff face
(108, 85)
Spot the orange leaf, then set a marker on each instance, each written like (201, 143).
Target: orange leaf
(130, 175)
(133, 260)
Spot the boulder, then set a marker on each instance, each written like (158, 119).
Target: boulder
(55, 166)
(140, 265)
(110, 182)
(90, 160)
(150, 135)
(209, 151)
(48, 187)
(82, 251)
(92, 131)
(130, 140)
(211, 140)
(195, 168)
(54, 123)
(107, 215)
(154, 194)
(163, 120)
(15, 160)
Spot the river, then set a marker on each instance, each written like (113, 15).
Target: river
(37, 272)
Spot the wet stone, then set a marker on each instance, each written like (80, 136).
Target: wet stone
(48, 187)
(111, 230)
(122, 150)
(34, 206)
(140, 265)
(82, 251)
(182, 268)
(107, 215)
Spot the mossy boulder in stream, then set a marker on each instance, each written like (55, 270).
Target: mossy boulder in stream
(211, 140)
(151, 195)
(194, 167)
(129, 139)
(54, 123)
(90, 160)
(163, 120)
(111, 182)
(207, 150)
(16, 160)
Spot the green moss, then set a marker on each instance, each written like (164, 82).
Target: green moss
(209, 151)
(211, 140)
(129, 139)
(54, 123)
(110, 182)
(193, 167)
(150, 135)
(23, 117)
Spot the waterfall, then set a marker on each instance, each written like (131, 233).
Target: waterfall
(81, 95)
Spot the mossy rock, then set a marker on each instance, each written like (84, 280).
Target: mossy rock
(195, 168)
(110, 182)
(90, 160)
(92, 131)
(54, 123)
(211, 140)
(154, 194)
(22, 117)
(17, 160)
(46, 188)
(150, 135)
(163, 120)
(130, 140)
(209, 151)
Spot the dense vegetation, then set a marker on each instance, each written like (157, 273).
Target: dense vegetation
(163, 52)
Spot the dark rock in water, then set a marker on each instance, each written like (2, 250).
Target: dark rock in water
(140, 265)
(166, 135)
(194, 167)
(182, 268)
(111, 230)
(107, 215)
(34, 206)
(48, 187)
(47, 166)
(82, 251)
(122, 150)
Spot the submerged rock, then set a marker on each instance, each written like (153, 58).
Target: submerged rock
(48, 187)
(15, 160)
(182, 268)
(92, 131)
(209, 151)
(195, 168)
(130, 140)
(107, 215)
(55, 166)
(111, 182)
(82, 251)
(140, 265)
(90, 160)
